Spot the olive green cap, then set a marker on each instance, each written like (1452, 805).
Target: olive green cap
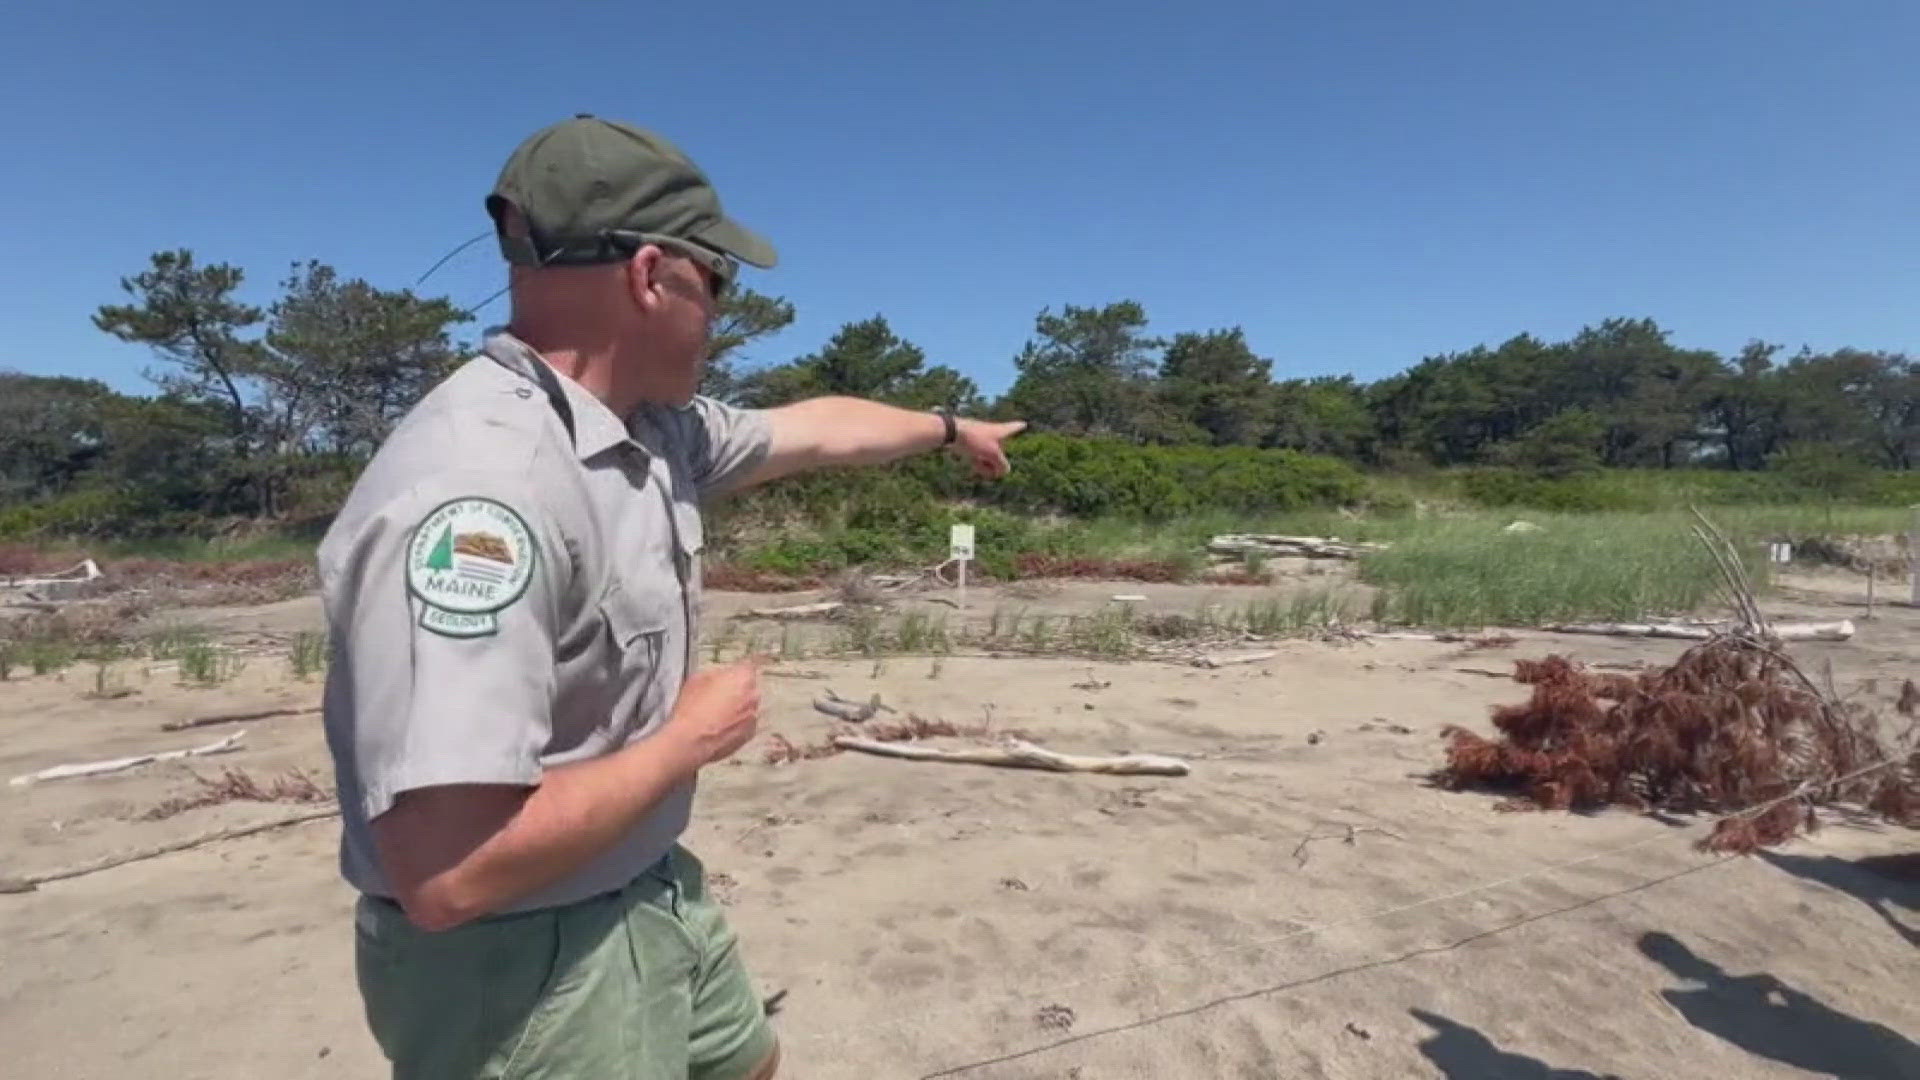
(593, 190)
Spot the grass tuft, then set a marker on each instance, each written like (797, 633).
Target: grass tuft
(1467, 572)
(307, 654)
(206, 664)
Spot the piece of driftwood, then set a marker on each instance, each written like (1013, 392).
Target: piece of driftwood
(1823, 631)
(1220, 660)
(1019, 754)
(30, 882)
(54, 587)
(853, 712)
(1312, 547)
(236, 718)
(797, 611)
(97, 768)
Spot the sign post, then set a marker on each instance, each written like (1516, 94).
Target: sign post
(1913, 553)
(960, 550)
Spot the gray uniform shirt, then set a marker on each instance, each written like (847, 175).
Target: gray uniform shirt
(501, 599)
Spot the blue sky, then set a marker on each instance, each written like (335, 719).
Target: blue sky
(1356, 184)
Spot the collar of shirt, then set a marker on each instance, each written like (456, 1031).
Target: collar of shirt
(596, 428)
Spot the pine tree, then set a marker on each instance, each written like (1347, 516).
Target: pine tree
(441, 557)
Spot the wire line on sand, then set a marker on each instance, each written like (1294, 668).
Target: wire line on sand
(944, 1014)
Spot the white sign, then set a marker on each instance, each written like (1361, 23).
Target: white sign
(1781, 553)
(961, 543)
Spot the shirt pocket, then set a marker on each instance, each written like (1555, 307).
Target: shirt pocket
(637, 621)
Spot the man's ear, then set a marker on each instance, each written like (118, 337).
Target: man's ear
(643, 277)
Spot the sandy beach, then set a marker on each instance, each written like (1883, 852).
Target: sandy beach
(1305, 903)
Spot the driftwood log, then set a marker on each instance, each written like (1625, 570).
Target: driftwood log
(97, 768)
(1018, 754)
(1312, 547)
(55, 587)
(30, 882)
(1220, 660)
(236, 718)
(853, 712)
(797, 611)
(1824, 631)
(1813, 631)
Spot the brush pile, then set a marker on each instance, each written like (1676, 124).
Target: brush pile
(1728, 728)
(1734, 727)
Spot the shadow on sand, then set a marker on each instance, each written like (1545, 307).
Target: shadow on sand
(1882, 882)
(1463, 1053)
(1768, 1018)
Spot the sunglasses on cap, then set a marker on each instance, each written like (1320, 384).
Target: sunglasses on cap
(721, 268)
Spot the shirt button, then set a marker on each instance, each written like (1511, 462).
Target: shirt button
(523, 393)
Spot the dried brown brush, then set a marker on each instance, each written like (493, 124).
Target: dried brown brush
(1732, 727)
(1035, 564)
(856, 588)
(732, 577)
(785, 751)
(18, 559)
(213, 583)
(240, 786)
(93, 627)
(916, 727)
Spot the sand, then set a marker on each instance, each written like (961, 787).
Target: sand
(1303, 904)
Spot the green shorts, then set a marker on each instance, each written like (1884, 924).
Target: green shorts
(642, 984)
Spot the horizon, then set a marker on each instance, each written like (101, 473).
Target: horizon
(1410, 182)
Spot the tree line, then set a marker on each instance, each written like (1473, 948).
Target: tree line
(266, 411)
(1616, 395)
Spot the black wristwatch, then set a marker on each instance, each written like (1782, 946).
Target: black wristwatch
(953, 428)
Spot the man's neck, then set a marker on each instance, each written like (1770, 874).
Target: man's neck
(590, 365)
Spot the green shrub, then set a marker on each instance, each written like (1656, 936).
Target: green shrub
(821, 522)
(794, 556)
(1668, 489)
(1055, 474)
(1386, 497)
(97, 512)
(1499, 487)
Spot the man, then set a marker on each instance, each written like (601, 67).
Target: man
(513, 587)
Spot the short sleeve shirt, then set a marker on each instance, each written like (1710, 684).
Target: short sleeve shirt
(503, 597)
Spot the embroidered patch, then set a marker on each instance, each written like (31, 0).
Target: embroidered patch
(470, 559)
